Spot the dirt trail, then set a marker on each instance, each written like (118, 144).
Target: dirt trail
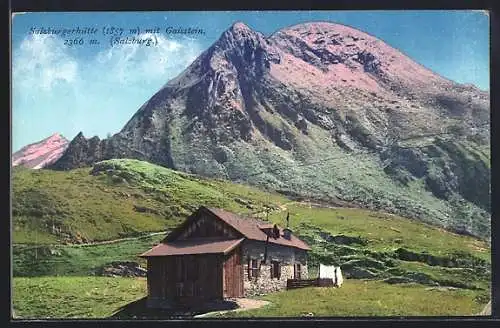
(104, 242)
(248, 304)
(117, 240)
(244, 304)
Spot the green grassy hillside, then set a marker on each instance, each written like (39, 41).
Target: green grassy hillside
(114, 199)
(124, 198)
(129, 198)
(74, 260)
(379, 231)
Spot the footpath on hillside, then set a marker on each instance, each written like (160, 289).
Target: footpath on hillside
(244, 304)
(104, 242)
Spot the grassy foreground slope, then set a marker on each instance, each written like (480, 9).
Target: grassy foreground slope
(367, 298)
(74, 297)
(101, 297)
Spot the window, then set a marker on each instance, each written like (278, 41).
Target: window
(275, 270)
(253, 268)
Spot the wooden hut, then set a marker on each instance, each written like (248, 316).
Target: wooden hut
(216, 254)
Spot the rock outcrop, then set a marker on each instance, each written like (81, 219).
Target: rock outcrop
(122, 269)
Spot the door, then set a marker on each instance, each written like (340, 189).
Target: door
(296, 271)
(233, 283)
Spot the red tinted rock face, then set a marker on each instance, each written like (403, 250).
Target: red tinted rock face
(40, 154)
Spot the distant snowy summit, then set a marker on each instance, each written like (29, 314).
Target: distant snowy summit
(40, 154)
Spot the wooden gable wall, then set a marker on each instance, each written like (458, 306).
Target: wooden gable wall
(206, 226)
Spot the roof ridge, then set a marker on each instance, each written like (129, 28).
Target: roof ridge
(202, 240)
(249, 227)
(241, 217)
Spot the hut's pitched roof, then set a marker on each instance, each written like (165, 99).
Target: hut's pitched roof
(193, 246)
(247, 228)
(253, 229)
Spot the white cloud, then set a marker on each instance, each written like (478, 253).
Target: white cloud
(57, 88)
(41, 62)
(131, 63)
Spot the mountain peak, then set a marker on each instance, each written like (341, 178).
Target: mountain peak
(239, 31)
(240, 26)
(55, 136)
(42, 153)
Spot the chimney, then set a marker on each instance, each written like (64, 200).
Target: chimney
(276, 232)
(287, 233)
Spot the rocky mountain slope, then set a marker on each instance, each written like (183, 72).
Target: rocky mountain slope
(40, 154)
(318, 110)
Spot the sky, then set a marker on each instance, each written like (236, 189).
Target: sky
(96, 88)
